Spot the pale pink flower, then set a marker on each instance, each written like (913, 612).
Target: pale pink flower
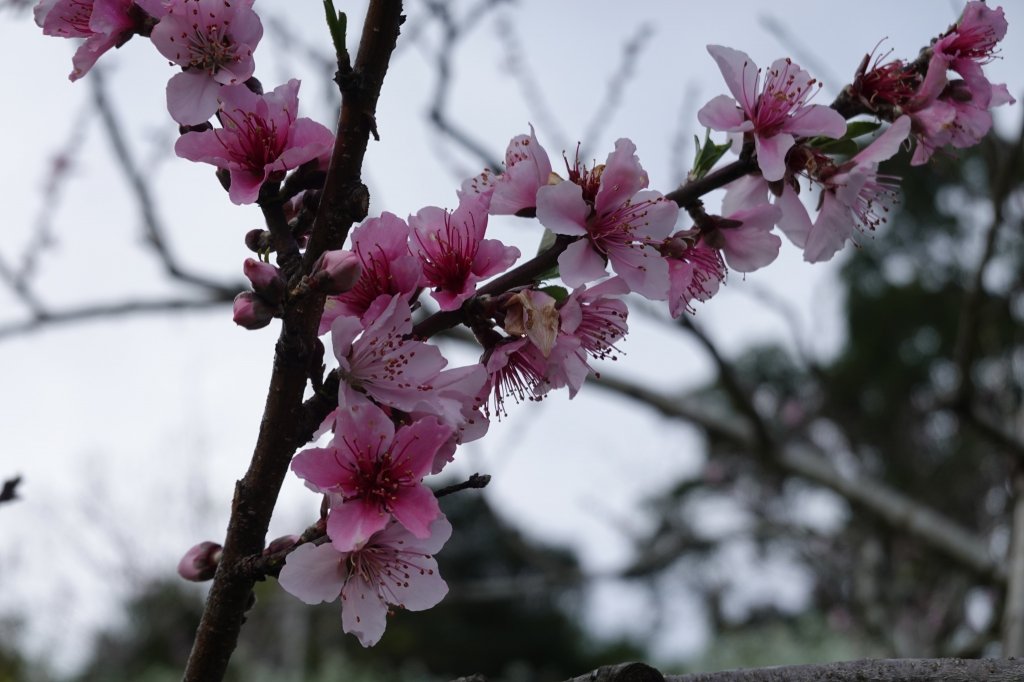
(456, 397)
(855, 195)
(261, 136)
(527, 169)
(103, 23)
(618, 219)
(453, 251)
(775, 112)
(389, 268)
(750, 245)
(213, 41)
(695, 269)
(393, 569)
(965, 49)
(376, 472)
(381, 361)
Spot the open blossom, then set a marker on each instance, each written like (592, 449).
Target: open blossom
(516, 368)
(392, 569)
(855, 195)
(453, 251)
(376, 472)
(775, 112)
(456, 397)
(695, 269)
(213, 40)
(380, 361)
(746, 238)
(389, 268)
(527, 169)
(103, 23)
(618, 219)
(261, 136)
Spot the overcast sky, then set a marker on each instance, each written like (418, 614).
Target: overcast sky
(130, 433)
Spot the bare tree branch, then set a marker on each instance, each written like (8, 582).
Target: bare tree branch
(9, 491)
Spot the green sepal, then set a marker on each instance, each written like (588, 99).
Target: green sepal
(845, 145)
(337, 24)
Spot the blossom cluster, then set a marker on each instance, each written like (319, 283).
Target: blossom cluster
(401, 412)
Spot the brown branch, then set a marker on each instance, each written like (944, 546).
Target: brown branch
(1013, 608)
(344, 201)
(9, 491)
(46, 318)
(889, 504)
(880, 670)
(139, 186)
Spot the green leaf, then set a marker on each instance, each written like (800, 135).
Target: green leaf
(337, 24)
(707, 155)
(547, 240)
(556, 292)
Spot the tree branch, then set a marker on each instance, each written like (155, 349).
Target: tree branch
(343, 202)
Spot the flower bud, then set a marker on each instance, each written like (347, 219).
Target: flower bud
(335, 272)
(251, 311)
(266, 279)
(257, 241)
(283, 542)
(200, 562)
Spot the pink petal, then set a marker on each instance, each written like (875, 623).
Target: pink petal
(623, 176)
(313, 573)
(831, 230)
(192, 97)
(747, 192)
(642, 268)
(493, 257)
(320, 467)
(580, 264)
(561, 208)
(363, 613)
(416, 507)
(771, 155)
(887, 144)
(721, 113)
(352, 523)
(816, 119)
(794, 221)
(245, 186)
(740, 73)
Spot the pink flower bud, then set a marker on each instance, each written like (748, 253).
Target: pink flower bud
(251, 311)
(200, 562)
(283, 542)
(266, 279)
(335, 272)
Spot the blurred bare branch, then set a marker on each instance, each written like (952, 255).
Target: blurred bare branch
(9, 490)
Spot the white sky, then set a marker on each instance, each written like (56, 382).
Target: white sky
(130, 433)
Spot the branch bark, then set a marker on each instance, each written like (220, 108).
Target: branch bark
(344, 202)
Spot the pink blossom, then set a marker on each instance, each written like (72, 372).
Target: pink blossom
(695, 269)
(376, 472)
(213, 41)
(455, 398)
(750, 245)
(261, 136)
(393, 569)
(775, 112)
(527, 169)
(855, 195)
(389, 268)
(103, 23)
(618, 219)
(335, 271)
(453, 251)
(593, 320)
(971, 44)
(516, 368)
(380, 361)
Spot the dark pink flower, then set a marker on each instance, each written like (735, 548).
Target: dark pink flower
(261, 136)
(376, 473)
(389, 268)
(619, 220)
(381, 361)
(775, 112)
(103, 23)
(213, 41)
(453, 251)
(335, 271)
(393, 569)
